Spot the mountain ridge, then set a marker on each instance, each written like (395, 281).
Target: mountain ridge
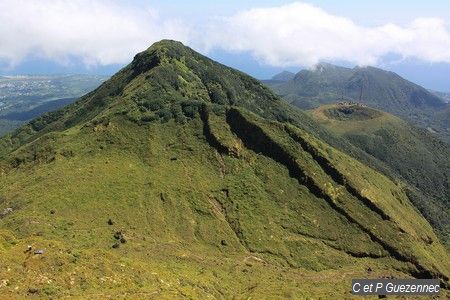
(381, 89)
(283, 76)
(180, 177)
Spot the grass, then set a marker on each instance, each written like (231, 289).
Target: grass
(275, 230)
(414, 155)
(197, 200)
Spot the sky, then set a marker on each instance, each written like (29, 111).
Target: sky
(261, 37)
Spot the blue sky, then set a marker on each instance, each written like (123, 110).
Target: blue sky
(365, 12)
(261, 37)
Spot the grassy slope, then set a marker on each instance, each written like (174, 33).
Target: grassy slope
(170, 79)
(175, 214)
(195, 191)
(444, 118)
(416, 156)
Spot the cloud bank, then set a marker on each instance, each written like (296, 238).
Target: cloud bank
(302, 34)
(101, 32)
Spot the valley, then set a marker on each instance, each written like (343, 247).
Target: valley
(23, 98)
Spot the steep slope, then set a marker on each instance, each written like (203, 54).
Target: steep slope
(444, 118)
(162, 183)
(412, 153)
(372, 86)
(173, 74)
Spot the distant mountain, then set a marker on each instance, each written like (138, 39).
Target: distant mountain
(283, 76)
(414, 154)
(377, 88)
(183, 178)
(279, 78)
(25, 97)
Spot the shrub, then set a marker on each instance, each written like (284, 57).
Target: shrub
(216, 93)
(149, 118)
(165, 114)
(190, 108)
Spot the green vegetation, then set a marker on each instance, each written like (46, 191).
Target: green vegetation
(443, 118)
(182, 178)
(374, 87)
(411, 153)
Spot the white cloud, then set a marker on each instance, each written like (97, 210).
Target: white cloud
(102, 32)
(97, 31)
(302, 34)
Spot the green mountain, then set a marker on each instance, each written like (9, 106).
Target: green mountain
(283, 76)
(182, 178)
(413, 154)
(280, 78)
(374, 87)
